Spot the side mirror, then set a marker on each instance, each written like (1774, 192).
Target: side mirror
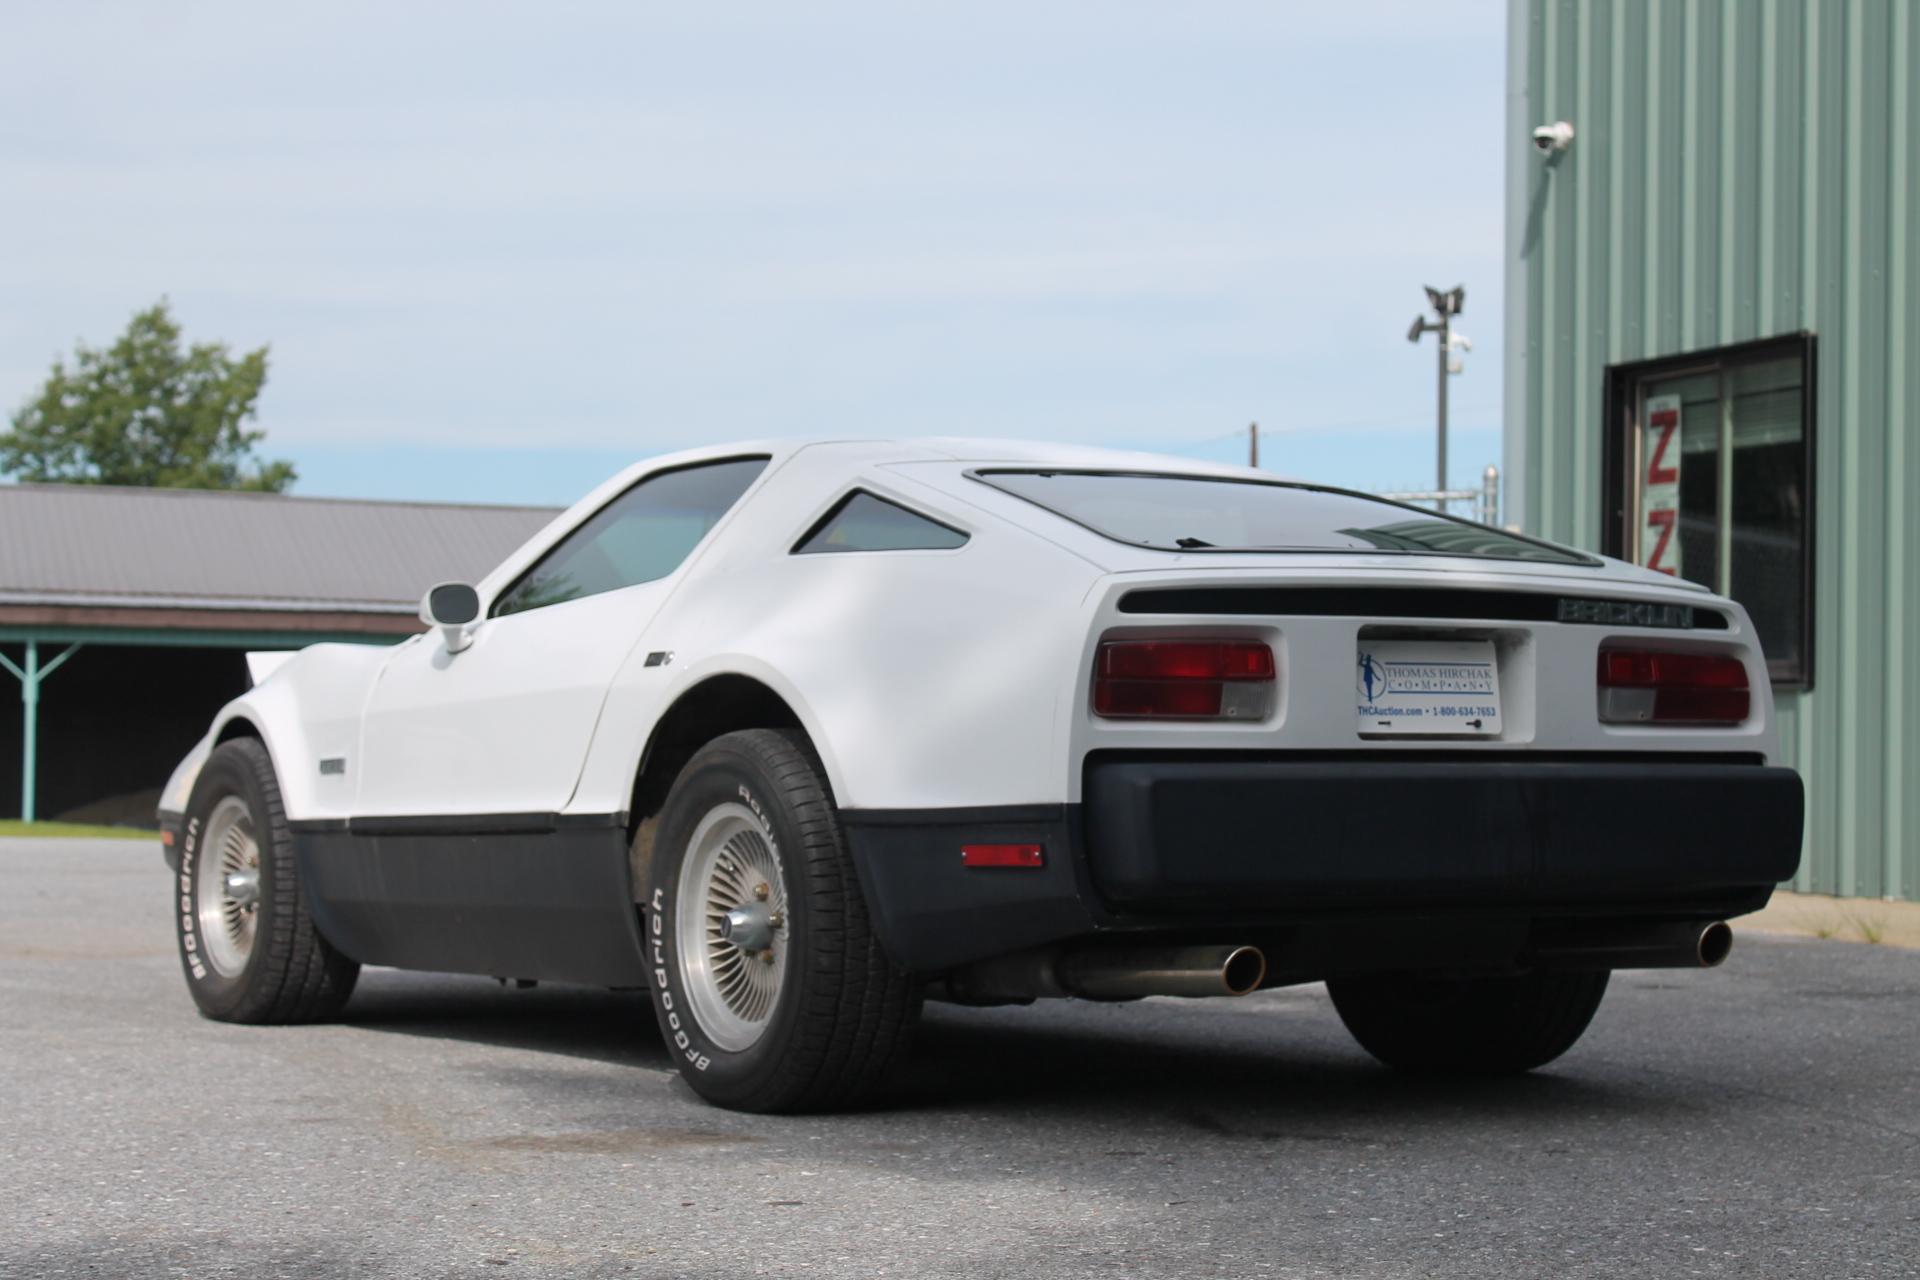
(453, 607)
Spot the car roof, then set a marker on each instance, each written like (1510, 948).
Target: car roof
(859, 453)
(865, 451)
(870, 455)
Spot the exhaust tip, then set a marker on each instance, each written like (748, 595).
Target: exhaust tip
(1246, 968)
(1716, 940)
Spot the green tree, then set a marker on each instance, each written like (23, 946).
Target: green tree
(145, 412)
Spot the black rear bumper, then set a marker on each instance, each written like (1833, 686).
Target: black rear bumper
(1183, 836)
(1183, 843)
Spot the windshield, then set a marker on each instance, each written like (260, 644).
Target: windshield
(1201, 513)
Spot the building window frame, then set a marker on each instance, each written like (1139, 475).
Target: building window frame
(1623, 399)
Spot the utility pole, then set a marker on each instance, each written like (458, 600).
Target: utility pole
(1253, 444)
(1446, 305)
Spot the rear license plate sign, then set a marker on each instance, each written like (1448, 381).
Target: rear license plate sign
(1444, 688)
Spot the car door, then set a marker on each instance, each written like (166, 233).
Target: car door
(502, 727)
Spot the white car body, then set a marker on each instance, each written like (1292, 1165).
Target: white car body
(929, 682)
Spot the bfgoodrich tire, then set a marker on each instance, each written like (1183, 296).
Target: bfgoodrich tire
(1474, 1026)
(249, 948)
(770, 987)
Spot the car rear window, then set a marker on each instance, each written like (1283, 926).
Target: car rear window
(1204, 513)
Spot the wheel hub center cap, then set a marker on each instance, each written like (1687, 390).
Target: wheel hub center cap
(244, 888)
(748, 927)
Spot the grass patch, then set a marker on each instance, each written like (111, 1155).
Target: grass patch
(41, 830)
(1872, 929)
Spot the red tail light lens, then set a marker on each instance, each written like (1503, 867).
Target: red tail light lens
(1183, 680)
(1639, 686)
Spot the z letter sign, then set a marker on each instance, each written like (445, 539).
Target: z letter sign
(1660, 485)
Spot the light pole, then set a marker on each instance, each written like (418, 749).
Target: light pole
(1446, 305)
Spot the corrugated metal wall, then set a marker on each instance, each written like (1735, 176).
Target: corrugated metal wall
(1743, 169)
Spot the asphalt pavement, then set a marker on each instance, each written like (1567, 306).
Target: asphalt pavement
(1758, 1120)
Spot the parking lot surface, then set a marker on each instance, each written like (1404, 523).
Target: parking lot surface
(1758, 1120)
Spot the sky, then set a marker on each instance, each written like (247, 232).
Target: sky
(499, 251)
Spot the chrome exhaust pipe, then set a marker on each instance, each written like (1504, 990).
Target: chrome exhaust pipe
(1683, 945)
(1714, 944)
(1124, 974)
(1105, 973)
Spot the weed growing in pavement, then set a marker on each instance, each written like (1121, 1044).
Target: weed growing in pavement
(1870, 928)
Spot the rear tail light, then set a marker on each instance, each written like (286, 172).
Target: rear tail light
(1183, 680)
(1639, 686)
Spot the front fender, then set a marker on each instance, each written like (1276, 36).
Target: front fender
(241, 717)
(173, 798)
(306, 712)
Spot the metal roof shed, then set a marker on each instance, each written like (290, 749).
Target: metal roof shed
(98, 565)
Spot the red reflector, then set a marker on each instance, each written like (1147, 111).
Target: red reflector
(1640, 686)
(1002, 855)
(166, 837)
(1183, 679)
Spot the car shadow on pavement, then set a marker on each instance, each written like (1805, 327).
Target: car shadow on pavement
(1282, 1081)
(1247, 1075)
(615, 1027)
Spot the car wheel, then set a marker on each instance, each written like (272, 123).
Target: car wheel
(772, 991)
(249, 948)
(1481, 1026)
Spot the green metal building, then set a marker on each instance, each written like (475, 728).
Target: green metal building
(1713, 353)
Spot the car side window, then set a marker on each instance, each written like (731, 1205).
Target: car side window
(640, 536)
(863, 522)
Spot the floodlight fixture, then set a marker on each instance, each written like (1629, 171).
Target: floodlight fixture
(1447, 302)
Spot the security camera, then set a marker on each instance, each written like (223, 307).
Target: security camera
(1550, 139)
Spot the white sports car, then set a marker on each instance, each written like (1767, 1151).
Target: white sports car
(795, 735)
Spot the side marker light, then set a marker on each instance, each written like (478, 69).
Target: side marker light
(1002, 855)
